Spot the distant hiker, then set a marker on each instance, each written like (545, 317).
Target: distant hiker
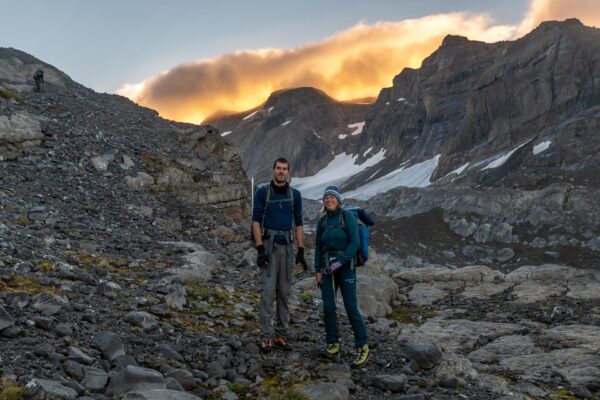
(277, 209)
(336, 244)
(38, 77)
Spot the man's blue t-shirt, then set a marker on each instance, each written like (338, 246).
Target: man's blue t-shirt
(278, 216)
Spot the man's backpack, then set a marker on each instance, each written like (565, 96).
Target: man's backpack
(362, 255)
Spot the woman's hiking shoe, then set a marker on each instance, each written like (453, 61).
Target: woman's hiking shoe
(266, 345)
(332, 350)
(281, 343)
(362, 356)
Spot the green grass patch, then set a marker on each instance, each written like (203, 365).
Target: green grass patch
(203, 299)
(411, 314)
(306, 297)
(238, 388)
(23, 221)
(46, 265)
(11, 391)
(27, 284)
(210, 294)
(274, 388)
(562, 394)
(7, 94)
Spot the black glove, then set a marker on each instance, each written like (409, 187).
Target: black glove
(300, 258)
(261, 259)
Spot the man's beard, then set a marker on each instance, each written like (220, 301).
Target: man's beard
(280, 178)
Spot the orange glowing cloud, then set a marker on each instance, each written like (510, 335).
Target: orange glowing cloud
(587, 11)
(354, 63)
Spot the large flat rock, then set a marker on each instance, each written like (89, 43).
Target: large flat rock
(456, 335)
(503, 347)
(578, 366)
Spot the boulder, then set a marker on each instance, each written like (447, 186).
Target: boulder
(422, 355)
(50, 390)
(134, 379)
(18, 132)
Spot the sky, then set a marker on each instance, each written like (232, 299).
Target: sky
(188, 59)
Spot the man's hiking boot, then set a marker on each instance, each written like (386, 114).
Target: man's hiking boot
(266, 345)
(362, 356)
(281, 343)
(332, 350)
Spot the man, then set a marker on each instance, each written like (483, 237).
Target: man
(38, 77)
(276, 210)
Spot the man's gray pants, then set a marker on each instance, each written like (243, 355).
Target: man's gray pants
(276, 281)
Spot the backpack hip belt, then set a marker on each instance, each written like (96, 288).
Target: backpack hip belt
(271, 233)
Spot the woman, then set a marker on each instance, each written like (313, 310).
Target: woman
(336, 244)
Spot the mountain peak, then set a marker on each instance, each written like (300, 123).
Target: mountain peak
(298, 95)
(568, 25)
(454, 40)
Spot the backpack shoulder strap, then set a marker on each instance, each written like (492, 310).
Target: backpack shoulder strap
(265, 205)
(291, 196)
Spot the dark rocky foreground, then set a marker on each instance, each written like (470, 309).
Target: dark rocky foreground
(125, 272)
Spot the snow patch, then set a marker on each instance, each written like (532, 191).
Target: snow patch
(336, 172)
(225, 133)
(270, 109)
(368, 151)
(250, 115)
(286, 122)
(401, 99)
(387, 103)
(316, 134)
(342, 136)
(358, 128)
(417, 175)
(501, 160)
(538, 148)
(460, 169)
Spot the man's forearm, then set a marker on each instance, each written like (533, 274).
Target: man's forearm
(300, 236)
(256, 233)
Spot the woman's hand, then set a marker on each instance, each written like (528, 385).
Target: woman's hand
(318, 279)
